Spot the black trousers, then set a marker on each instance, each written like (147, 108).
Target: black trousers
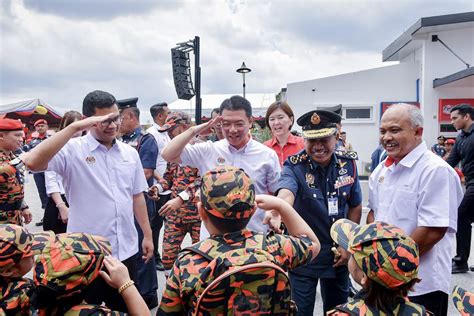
(334, 291)
(157, 223)
(465, 219)
(435, 302)
(99, 291)
(52, 220)
(41, 186)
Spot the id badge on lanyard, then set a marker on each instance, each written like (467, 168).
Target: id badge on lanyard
(332, 206)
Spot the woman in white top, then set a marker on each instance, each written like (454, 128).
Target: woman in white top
(57, 208)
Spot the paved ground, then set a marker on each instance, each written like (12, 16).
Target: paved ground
(465, 280)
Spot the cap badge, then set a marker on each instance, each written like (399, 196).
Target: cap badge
(315, 119)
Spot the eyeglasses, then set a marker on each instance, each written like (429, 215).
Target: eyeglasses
(117, 120)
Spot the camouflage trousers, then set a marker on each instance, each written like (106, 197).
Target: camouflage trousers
(173, 236)
(11, 217)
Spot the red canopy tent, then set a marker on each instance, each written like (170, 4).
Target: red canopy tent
(30, 111)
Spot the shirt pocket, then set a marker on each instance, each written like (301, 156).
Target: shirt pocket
(404, 204)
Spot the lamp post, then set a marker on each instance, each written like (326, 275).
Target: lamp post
(243, 70)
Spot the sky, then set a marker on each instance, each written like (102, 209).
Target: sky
(60, 50)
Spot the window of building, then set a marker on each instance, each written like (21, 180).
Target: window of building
(358, 113)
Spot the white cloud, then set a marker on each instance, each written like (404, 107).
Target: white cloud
(60, 51)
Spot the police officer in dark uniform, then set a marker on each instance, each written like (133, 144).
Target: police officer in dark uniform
(322, 185)
(134, 135)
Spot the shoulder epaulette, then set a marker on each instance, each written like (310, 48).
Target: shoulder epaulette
(347, 154)
(298, 158)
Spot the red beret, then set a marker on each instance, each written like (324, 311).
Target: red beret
(40, 121)
(10, 125)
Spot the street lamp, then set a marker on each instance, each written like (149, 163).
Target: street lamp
(243, 70)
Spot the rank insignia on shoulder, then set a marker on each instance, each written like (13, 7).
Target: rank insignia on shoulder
(347, 154)
(296, 159)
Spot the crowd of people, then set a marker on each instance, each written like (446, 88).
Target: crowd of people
(268, 222)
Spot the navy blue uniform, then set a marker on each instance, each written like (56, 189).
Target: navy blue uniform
(147, 282)
(314, 187)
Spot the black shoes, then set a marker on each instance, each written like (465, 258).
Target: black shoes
(40, 223)
(159, 264)
(459, 267)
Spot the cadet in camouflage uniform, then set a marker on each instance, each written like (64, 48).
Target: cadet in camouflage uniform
(16, 259)
(228, 202)
(63, 291)
(180, 212)
(463, 300)
(384, 261)
(13, 208)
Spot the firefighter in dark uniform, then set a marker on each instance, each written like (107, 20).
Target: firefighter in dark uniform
(322, 185)
(134, 135)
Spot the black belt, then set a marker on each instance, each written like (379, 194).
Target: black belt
(16, 206)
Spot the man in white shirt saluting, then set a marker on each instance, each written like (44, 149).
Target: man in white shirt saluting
(237, 149)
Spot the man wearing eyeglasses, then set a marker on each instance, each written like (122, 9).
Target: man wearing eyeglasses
(104, 182)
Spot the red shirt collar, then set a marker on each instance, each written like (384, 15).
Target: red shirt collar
(292, 139)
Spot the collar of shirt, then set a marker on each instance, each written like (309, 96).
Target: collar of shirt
(334, 160)
(292, 139)
(133, 134)
(411, 158)
(469, 130)
(156, 125)
(235, 237)
(94, 143)
(232, 149)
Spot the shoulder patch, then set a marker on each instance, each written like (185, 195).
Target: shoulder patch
(298, 158)
(347, 154)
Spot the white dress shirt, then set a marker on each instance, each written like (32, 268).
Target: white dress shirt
(421, 190)
(161, 140)
(257, 160)
(53, 182)
(100, 185)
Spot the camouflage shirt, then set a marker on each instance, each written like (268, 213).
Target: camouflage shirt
(180, 294)
(11, 189)
(15, 296)
(182, 178)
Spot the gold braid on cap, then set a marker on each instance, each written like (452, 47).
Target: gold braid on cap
(315, 119)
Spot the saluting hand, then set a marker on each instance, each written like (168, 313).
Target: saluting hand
(87, 123)
(206, 128)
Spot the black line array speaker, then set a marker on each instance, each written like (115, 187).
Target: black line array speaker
(182, 74)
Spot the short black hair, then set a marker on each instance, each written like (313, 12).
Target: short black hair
(236, 103)
(157, 109)
(463, 109)
(135, 111)
(228, 225)
(216, 110)
(97, 100)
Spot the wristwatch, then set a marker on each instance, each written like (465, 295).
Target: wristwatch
(184, 196)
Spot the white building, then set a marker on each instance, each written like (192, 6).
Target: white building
(427, 73)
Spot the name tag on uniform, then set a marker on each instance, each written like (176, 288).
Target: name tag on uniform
(332, 206)
(343, 181)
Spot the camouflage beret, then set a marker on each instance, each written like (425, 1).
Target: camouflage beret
(224, 187)
(175, 118)
(68, 262)
(384, 252)
(15, 244)
(463, 300)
